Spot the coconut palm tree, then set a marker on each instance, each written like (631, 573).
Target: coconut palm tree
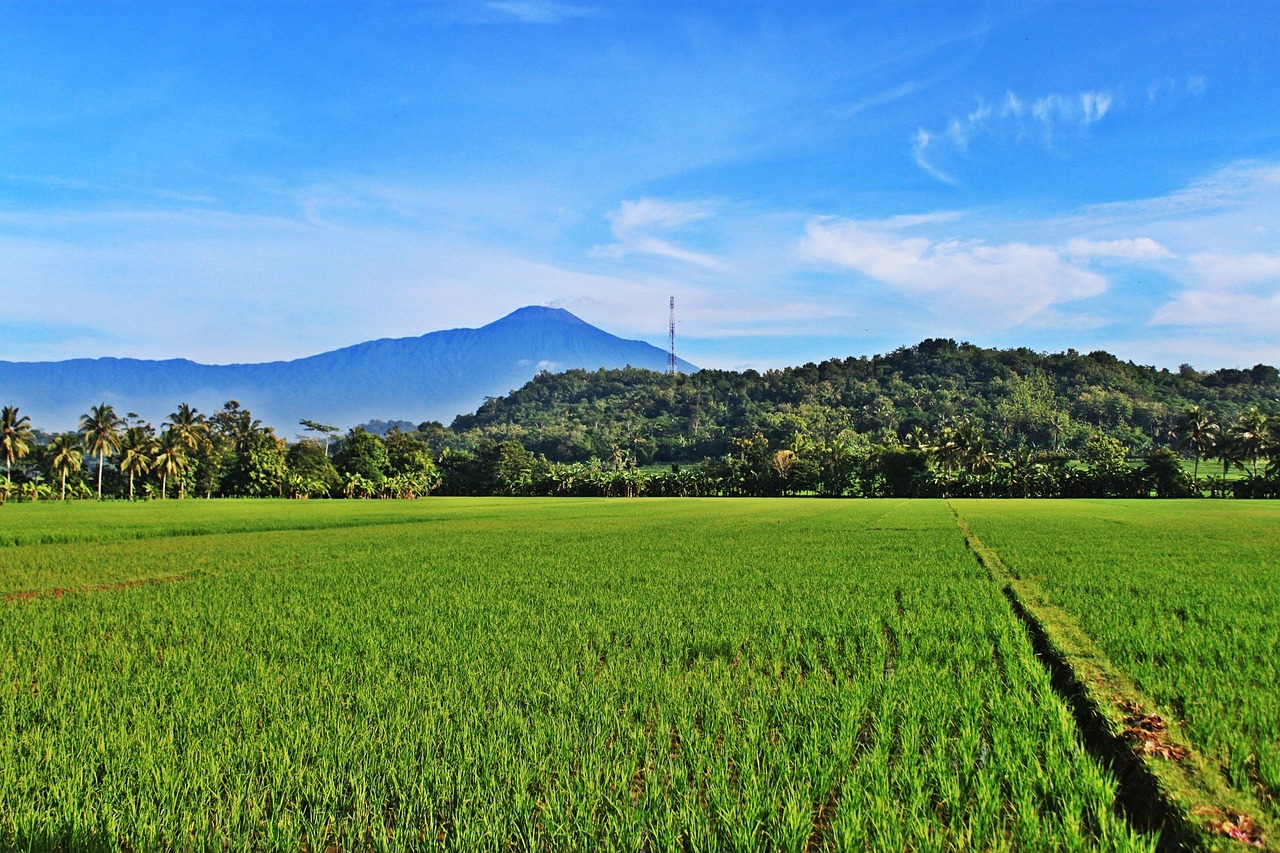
(170, 458)
(135, 454)
(1251, 433)
(1197, 431)
(100, 428)
(15, 437)
(1229, 450)
(65, 456)
(917, 439)
(1272, 449)
(192, 430)
(981, 459)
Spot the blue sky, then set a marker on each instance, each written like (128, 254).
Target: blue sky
(254, 181)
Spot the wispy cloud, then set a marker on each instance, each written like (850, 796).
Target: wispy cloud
(1228, 314)
(637, 224)
(1175, 88)
(1214, 242)
(880, 99)
(1249, 186)
(538, 11)
(1041, 120)
(1221, 271)
(920, 151)
(972, 281)
(1226, 293)
(1130, 248)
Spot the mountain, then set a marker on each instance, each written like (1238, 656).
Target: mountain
(432, 377)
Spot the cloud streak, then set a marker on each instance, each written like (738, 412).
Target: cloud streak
(1129, 248)
(985, 285)
(538, 11)
(637, 224)
(1040, 120)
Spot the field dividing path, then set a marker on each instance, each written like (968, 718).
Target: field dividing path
(1166, 778)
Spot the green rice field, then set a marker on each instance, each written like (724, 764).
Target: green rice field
(1184, 596)
(560, 674)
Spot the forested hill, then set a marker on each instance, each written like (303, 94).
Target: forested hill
(1017, 398)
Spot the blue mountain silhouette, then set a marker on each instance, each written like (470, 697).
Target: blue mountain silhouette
(432, 377)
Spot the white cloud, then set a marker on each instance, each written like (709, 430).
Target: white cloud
(920, 150)
(1220, 271)
(636, 224)
(1218, 232)
(1053, 111)
(1225, 313)
(1251, 188)
(1042, 120)
(972, 281)
(1129, 248)
(1173, 89)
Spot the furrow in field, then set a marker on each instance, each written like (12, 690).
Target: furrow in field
(1164, 782)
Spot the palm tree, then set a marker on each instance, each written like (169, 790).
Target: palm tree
(1228, 448)
(15, 437)
(66, 456)
(192, 430)
(1272, 449)
(1251, 432)
(135, 455)
(170, 458)
(981, 459)
(917, 439)
(100, 427)
(189, 424)
(1197, 431)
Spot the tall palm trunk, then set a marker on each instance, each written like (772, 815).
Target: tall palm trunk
(100, 457)
(131, 485)
(164, 485)
(64, 485)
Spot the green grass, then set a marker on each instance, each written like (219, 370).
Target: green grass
(486, 674)
(49, 522)
(1183, 596)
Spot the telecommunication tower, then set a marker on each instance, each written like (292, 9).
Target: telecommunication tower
(673, 366)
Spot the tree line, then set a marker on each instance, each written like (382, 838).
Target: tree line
(231, 454)
(226, 454)
(937, 418)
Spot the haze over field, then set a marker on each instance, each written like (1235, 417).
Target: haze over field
(267, 181)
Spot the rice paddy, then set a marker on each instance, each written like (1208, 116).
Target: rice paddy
(453, 674)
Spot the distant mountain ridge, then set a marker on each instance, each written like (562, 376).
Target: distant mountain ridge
(432, 377)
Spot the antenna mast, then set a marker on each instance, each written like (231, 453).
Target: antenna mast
(673, 366)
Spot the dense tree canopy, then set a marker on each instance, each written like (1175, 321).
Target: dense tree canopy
(939, 418)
